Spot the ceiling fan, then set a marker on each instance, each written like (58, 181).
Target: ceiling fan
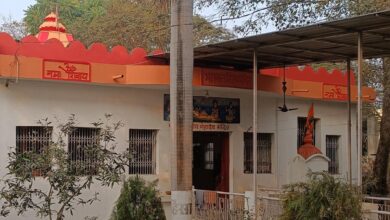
(284, 108)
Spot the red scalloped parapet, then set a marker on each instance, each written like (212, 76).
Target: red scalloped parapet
(336, 77)
(53, 49)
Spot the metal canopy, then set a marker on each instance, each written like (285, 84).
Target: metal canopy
(328, 41)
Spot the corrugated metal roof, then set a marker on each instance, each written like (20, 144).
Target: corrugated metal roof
(328, 41)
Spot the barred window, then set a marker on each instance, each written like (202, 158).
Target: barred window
(142, 149)
(264, 159)
(301, 130)
(33, 139)
(332, 148)
(81, 141)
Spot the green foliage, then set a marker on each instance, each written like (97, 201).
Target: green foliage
(60, 190)
(138, 23)
(129, 23)
(138, 200)
(321, 197)
(69, 10)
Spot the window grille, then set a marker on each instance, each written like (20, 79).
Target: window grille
(142, 149)
(209, 157)
(302, 131)
(33, 139)
(81, 141)
(264, 159)
(332, 147)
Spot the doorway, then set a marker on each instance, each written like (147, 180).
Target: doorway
(210, 168)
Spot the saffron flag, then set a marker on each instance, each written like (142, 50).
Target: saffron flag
(310, 120)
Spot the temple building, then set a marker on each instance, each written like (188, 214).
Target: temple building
(54, 76)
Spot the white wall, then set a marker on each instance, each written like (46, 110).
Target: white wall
(24, 103)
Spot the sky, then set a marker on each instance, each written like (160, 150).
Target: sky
(14, 8)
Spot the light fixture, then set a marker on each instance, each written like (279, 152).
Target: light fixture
(284, 89)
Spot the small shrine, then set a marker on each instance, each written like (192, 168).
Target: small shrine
(309, 158)
(51, 28)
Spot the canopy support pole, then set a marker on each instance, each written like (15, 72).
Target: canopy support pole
(349, 126)
(254, 132)
(359, 110)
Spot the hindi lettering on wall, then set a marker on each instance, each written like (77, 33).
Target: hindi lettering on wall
(210, 109)
(67, 71)
(335, 92)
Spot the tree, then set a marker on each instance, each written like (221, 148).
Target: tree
(144, 25)
(138, 23)
(138, 200)
(128, 23)
(207, 33)
(17, 29)
(71, 12)
(382, 155)
(67, 182)
(256, 14)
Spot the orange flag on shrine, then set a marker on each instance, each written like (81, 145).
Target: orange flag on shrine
(310, 120)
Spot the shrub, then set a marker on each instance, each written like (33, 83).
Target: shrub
(138, 200)
(321, 197)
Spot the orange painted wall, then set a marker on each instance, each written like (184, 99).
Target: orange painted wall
(32, 68)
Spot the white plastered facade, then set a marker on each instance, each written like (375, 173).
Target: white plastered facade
(141, 107)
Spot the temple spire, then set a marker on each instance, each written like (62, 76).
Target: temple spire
(51, 28)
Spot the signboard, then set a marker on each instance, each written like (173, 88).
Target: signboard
(335, 92)
(68, 71)
(210, 127)
(210, 109)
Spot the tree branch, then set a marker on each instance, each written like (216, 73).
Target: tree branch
(61, 210)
